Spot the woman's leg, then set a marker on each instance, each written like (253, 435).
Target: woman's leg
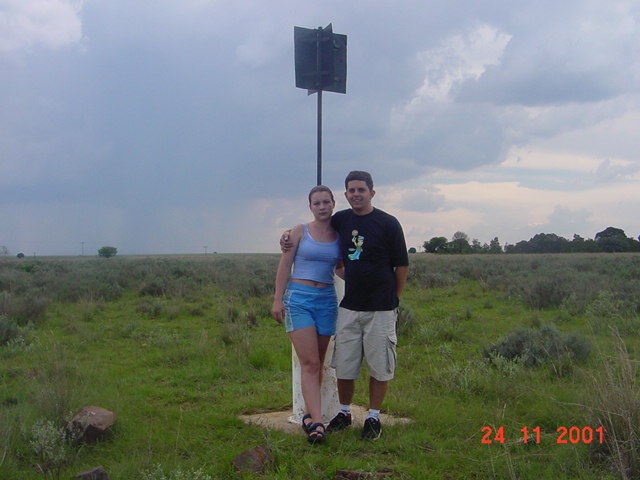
(306, 344)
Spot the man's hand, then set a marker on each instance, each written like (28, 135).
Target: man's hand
(285, 243)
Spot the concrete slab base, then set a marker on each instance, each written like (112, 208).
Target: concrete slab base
(282, 420)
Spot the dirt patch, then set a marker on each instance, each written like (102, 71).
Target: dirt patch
(284, 422)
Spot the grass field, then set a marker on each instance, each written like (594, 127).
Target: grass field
(180, 346)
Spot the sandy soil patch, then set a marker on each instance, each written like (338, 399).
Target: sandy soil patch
(282, 420)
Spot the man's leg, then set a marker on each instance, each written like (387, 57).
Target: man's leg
(380, 353)
(377, 392)
(347, 358)
(372, 428)
(346, 388)
(379, 349)
(345, 394)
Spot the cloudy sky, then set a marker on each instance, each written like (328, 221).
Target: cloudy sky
(168, 126)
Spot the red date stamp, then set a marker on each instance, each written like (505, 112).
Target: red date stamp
(566, 435)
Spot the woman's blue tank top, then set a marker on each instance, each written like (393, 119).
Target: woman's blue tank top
(315, 260)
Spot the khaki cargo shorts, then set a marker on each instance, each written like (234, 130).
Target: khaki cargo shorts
(368, 335)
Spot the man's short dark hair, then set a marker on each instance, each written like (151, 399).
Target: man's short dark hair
(359, 175)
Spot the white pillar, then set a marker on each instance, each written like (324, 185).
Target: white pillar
(328, 390)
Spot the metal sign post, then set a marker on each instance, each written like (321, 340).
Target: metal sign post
(319, 146)
(321, 64)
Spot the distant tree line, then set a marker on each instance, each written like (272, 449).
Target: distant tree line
(610, 239)
(460, 244)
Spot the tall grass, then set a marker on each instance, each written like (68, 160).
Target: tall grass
(615, 405)
(179, 347)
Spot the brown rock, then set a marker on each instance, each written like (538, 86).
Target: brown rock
(97, 473)
(91, 423)
(255, 460)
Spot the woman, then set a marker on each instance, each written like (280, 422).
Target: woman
(308, 303)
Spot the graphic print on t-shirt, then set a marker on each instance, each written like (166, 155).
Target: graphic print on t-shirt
(358, 241)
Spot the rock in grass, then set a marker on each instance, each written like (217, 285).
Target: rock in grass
(90, 424)
(97, 473)
(255, 460)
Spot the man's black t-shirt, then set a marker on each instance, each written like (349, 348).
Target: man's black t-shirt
(371, 246)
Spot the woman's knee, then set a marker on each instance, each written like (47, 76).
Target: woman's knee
(311, 365)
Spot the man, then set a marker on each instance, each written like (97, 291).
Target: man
(375, 272)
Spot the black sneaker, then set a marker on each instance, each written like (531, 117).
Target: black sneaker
(339, 422)
(372, 429)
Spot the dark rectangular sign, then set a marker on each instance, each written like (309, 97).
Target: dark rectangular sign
(320, 59)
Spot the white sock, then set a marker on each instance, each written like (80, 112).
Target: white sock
(346, 409)
(374, 414)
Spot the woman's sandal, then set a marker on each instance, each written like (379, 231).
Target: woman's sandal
(306, 426)
(314, 435)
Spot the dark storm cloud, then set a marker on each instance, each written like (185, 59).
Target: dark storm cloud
(178, 122)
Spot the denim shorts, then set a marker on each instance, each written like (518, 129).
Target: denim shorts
(305, 306)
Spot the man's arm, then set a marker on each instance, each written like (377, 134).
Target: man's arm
(339, 270)
(401, 279)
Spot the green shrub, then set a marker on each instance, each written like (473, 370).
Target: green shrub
(8, 330)
(30, 307)
(14, 347)
(544, 291)
(471, 377)
(607, 305)
(536, 346)
(14, 338)
(508, 367)
(150, 309)
(578, 345)
(608, 311)
(49, 445)
(154, 288)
